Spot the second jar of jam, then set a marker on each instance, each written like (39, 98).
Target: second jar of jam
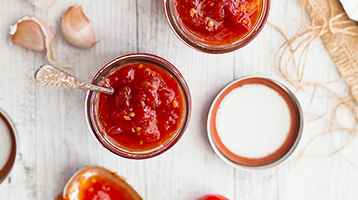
(216, 26)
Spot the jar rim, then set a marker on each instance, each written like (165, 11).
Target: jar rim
(274, 163)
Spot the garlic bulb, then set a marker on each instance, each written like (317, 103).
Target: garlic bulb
(34, 33)
(77, 29)
(44, 4)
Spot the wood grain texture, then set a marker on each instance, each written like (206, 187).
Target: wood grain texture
(55, 141)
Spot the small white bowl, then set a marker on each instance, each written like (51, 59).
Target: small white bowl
(272, 159)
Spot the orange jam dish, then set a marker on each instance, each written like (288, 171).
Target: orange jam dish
(99, 187)
(98, 183)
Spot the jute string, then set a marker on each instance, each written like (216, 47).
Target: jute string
(340, 36)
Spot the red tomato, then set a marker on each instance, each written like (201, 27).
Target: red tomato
(213, 197)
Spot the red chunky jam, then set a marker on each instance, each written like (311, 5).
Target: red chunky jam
(218, 22)
(102, 188)
(146, 108)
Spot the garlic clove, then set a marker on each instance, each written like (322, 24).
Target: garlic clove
(29, 35)
(44, 4)
(34, 33)
(77, 28)
(27, 26)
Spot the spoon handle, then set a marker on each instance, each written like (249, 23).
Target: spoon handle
(50, 75)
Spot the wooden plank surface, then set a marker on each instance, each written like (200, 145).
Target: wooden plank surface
(55, 142)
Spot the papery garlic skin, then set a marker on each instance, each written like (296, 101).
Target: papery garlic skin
(44, 4)
(34, 33)
(17, 30)
(77, 28)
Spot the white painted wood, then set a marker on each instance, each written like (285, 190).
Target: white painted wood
(55, 142)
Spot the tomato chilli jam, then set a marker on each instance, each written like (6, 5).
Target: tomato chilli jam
(145, 110)
(98, 183)
(216, 26)
(100, 187)
(218, 22)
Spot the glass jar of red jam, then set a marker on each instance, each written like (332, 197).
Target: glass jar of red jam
(216, 26)
(149, 110)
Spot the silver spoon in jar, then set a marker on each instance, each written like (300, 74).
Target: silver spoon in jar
(51, 75)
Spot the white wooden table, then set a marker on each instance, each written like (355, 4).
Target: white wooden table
(55, 142)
